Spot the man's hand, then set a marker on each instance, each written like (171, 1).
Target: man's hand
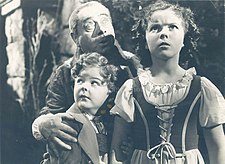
(56, 132)
(100, 44)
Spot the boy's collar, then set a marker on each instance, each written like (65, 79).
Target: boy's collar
(75, 110)
(89, 116)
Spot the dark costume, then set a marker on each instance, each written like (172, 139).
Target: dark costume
(91, 146)
(165, 119)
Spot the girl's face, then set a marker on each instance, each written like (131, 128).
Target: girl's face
(90, 90)
(165, 34)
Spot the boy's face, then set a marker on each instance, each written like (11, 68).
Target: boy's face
(95, 29)
(90, 90)
(165, 34)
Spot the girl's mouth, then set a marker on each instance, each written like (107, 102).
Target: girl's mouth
(163, 44)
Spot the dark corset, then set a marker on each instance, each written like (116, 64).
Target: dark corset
(166, 123)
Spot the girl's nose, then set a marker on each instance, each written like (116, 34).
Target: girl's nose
(164, 33)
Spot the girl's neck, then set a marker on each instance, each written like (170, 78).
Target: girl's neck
(165, 72)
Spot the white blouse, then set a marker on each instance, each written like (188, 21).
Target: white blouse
(212, 108)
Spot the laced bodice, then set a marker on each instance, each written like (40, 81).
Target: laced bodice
(169, 109)
(164, 150)
(165, 98)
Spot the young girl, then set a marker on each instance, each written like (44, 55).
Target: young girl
(166, 108)
(94, 81)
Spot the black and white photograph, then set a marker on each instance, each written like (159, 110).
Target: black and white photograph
(112, 82)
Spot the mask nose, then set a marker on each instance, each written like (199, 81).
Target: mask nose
(97, 31)
(103, 26)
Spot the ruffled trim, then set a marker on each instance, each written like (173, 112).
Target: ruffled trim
(168, 90)
(169, 87)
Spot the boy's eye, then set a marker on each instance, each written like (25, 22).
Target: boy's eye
(95, 83)
(89, 25)
(79, 81)
(171, 27)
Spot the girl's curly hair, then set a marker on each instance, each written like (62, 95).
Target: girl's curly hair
(191, 30)
(107, 71)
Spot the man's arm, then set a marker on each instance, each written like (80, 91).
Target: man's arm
(60, 91)
(59, 99)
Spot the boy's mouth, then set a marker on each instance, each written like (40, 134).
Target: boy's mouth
(83, 97)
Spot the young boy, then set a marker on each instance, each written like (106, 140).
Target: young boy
(94, 81)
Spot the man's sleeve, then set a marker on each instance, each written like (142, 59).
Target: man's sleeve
(59, 92)
(59, 97)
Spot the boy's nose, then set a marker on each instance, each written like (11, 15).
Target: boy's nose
(85, 87)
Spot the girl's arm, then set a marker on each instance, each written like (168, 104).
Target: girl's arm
(215, 142)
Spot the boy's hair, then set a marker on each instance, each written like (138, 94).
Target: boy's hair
(94, 59)
(73, 20)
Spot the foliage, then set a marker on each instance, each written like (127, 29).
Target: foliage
(37, 64)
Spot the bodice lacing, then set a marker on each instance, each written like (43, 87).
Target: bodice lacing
(165, 150)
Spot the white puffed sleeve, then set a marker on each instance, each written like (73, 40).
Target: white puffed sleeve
(212, 111)
(124, 103)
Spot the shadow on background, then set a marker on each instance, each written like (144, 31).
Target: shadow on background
(17, 143)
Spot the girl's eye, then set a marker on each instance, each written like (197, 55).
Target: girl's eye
(155, 28)
(89, 25)
(172, 27)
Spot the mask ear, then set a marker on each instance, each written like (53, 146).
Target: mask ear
(75, 39)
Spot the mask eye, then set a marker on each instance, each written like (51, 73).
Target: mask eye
(105, 20)
(89, 25)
